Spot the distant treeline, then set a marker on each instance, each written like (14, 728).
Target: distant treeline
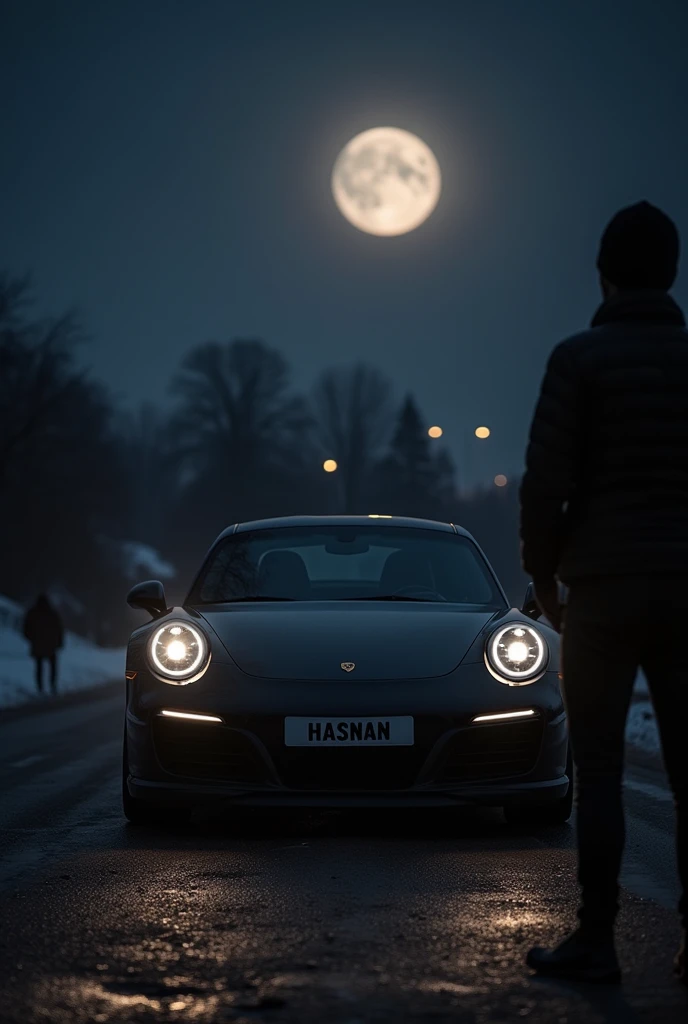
(80, 480)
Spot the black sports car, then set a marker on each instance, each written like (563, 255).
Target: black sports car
(338, 662)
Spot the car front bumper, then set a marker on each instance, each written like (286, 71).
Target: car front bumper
(183, 795)
(243, 760)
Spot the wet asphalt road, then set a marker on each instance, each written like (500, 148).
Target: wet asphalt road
(320, 917)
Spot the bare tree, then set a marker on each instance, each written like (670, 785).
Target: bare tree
(353, 417)
(59, 469)
(238, 432)
(38, 379)
(234, 403)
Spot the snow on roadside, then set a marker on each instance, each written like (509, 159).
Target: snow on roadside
(81, 664)
(641, 685)
(140, 560)
(641, 728)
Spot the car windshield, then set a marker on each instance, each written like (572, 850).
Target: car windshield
(340, 563)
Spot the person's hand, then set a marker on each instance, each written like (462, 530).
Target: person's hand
(547, 597)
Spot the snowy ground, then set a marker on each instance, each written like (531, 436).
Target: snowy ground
(641, 728)
(81, 663)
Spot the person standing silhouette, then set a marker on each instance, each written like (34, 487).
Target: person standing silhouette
(604, 510)
(44, 631)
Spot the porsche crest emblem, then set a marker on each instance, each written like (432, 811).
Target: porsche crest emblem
(348, 666)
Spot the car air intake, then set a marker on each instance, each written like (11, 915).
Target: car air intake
(492, 750)
(355, 769)
(196, 750)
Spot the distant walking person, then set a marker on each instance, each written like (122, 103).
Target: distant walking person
(44, 631)
(604, 509)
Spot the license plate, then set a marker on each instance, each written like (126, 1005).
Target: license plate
(396, 731)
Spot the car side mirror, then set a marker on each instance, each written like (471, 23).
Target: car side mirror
(149, 596)
(530, 607)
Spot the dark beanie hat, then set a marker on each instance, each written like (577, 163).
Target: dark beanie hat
(639, 249)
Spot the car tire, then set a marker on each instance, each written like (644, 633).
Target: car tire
(145, 812)
(557, 813)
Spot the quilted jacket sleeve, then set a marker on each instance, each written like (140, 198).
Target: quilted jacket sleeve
(551, 465)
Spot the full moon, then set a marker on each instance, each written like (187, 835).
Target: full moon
(386, 181)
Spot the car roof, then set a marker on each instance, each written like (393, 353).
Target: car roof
(281, 522)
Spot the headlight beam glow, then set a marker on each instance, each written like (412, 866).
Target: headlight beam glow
(518, 651)
(177, 650)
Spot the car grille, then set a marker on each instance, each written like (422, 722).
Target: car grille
(349, 769)
(492, 751)
(355, 769)
(204, 751)
(220, 753)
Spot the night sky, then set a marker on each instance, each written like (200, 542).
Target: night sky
(166, 169)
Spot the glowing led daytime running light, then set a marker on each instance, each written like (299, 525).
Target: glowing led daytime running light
(504, 715)
(190, 715)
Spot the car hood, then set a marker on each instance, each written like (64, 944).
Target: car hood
(311, 641)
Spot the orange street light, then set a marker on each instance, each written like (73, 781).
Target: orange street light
(329, 465)
(482, 432)
(435, 431)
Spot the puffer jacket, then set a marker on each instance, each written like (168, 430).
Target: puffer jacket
(605, 490)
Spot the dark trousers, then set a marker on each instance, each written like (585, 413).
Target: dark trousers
(613, 626)
(52, 661)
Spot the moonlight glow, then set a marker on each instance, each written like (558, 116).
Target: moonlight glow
(386, 181)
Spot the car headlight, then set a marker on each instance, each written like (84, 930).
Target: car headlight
(178, 652)
(516, 654)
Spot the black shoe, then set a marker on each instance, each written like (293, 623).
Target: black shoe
(578, 958)
(680, 965)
